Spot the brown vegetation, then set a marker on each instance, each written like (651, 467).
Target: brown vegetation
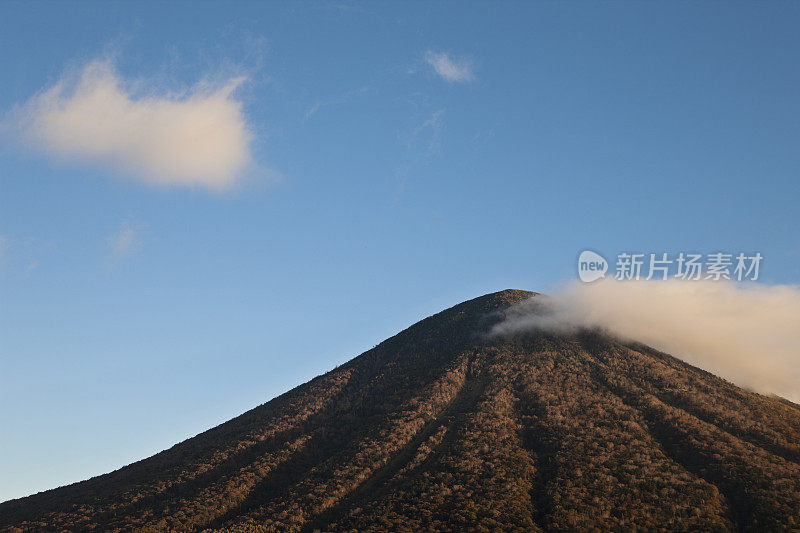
(444, 428)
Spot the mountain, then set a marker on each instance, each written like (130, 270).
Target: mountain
(445, 427)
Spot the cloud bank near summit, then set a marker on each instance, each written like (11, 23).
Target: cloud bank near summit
(746, 333)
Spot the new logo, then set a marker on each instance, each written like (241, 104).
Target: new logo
(591, 266)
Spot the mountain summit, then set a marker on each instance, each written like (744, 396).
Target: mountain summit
(446, 427)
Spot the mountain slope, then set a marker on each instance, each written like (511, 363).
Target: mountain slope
(444, 427)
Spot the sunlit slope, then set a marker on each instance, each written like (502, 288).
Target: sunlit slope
(445, 427)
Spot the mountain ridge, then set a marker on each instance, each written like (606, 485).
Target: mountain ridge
(445, 427)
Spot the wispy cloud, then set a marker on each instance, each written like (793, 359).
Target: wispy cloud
(32, 265)
(749, 334)
(124, 243)
(432, 126)
(312, 110)
(335, 101)
(199, 138)
(449, 68)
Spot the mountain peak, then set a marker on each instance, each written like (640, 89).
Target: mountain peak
(505, 298)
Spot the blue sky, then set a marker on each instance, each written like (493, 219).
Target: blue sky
(400, 158)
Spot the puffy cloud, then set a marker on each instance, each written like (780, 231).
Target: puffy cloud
(449, 68)
(746, 333)
(195, 139)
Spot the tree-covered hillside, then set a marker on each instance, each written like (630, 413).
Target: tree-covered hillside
(444, 427)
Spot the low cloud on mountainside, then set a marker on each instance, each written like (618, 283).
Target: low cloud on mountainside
(748, 334)
(195, 139)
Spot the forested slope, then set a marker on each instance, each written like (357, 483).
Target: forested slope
(444, 427)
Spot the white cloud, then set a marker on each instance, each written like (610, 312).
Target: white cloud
(124, 243)
(432, 126)
(312, 110)
(748, 334)
(195, 139)
(450, 69)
